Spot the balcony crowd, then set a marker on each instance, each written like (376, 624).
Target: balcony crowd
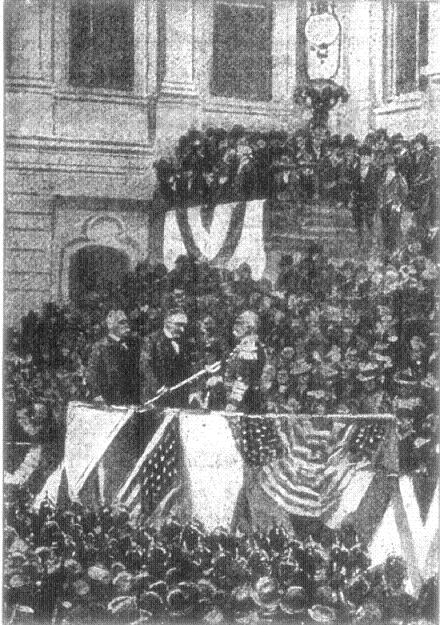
(383, 178)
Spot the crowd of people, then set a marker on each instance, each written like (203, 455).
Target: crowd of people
(356, 338)
(382, 175)
(68, 564)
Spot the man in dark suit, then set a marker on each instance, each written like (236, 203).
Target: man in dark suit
(114, 374)
(115, 378)
(166, 360)
(365, 192)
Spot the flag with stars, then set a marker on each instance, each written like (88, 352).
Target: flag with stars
(156, 474)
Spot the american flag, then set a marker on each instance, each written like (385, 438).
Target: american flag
(156, 473)
(305, 465)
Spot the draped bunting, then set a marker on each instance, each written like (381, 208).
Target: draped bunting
(203, 464)
(234, 236)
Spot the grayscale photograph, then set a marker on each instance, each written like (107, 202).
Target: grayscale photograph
(221, 312)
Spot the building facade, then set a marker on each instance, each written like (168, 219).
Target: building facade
(97, 91)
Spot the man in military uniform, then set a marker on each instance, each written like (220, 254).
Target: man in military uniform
(245, 365)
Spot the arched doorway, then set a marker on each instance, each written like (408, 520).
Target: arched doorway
(95, 274)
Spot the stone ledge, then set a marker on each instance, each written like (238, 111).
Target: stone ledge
(90, 145)
(402, 103)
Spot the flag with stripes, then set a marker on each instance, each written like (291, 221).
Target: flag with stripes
(105, 460)
(305, 468)
(155, 477)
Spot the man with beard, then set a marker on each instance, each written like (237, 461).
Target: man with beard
(257, 436)
(245, 365)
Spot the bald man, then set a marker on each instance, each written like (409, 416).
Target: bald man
(114, 374)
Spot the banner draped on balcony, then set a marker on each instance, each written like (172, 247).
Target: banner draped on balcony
(234, 236)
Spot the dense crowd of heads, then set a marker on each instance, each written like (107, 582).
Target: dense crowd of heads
(338, 338)
(70, 564)
(297, 168)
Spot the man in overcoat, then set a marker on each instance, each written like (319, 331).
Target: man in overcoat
(166, 360)
(114, 374)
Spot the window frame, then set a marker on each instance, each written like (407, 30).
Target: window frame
(390, 93)
(145, 83)
(236, 100)
(131, 87)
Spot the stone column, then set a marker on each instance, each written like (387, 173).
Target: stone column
(178, 102)
(433, 71)
(356, 70)
(179, 70)
(28, 40)
(284, 49)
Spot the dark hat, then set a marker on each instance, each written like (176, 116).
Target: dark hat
(220, 134)
(334, 142)
(302, 132)
(242, 601)
(421, 138)
(397, 138)
(293, 601)
(206, 588)
(265, 592)
(237, 131)
(349, 141)
(123, 582)
(194, 136)
(142, 581)
(178, 603)
(286, 260)
(322, 614)
(365, 150)
(151, 602)
(314, 248)
(389, 151)
(162, 166)
(181, 259)
(159, 587)
(124, 607)
(117, 567)
(405, 378)
(381, 133)
(324, 595)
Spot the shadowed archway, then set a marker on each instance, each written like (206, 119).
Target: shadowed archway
(95, 274)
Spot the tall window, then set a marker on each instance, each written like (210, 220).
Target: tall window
(102, 44)
(406, 46)
(242, 50)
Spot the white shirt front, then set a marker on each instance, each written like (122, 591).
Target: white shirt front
(174, 343)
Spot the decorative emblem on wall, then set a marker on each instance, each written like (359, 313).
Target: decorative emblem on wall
(323, 34)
